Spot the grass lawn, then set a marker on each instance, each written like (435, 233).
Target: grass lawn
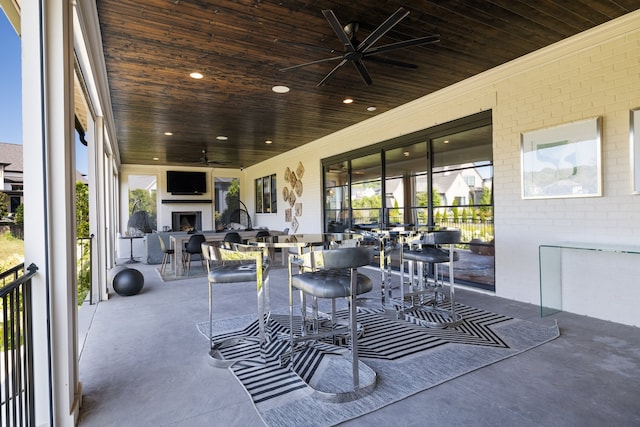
(11, 251)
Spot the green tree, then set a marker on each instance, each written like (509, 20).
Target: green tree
(436, 199)
(485, 199)
(394, 214)
(84, 245)
(367, 208)
(19, 218)
(4, 205)
(82, 210)
(232, 199)
(455, 211)
(421, 199)
(144, 200)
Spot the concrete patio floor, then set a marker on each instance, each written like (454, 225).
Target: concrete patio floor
(143, 363)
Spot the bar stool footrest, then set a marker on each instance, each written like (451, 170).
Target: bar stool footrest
(433, 317)
(331, 380)
(216, 358)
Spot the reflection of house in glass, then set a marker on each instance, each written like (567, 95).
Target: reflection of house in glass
(460, 187)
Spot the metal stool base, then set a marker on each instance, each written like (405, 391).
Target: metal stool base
(336, 368)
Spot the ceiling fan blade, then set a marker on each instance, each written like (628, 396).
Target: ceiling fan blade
(390, 62)
(391, 22)
(308, 46)
(319, 61)
(332, 72)
(402, 45)
(363, 72)
(337, 28)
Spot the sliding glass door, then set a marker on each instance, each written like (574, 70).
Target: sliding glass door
(440, 177)
(406, 185)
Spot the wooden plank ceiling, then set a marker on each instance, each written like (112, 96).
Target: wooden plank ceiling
(151, 47)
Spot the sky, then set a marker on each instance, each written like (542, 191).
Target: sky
(10, 92)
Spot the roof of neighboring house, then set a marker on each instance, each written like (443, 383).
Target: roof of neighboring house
(11, 155)
(442, 183)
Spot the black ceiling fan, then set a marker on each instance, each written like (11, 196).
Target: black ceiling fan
(355, 51)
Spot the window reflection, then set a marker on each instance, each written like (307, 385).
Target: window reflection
(366, 190)
(336, 196)
(143, 207)
(432, 181)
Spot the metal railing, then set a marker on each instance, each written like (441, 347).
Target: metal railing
(17, 407)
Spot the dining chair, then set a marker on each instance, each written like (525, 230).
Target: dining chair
(193, 247)
(232, 237)
(166, 254)
(262, 233)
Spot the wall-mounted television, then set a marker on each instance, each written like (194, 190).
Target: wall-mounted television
(185, 182)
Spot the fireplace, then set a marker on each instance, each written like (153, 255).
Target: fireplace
(186, 221)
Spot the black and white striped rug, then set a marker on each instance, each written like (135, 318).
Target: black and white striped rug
(407, 358)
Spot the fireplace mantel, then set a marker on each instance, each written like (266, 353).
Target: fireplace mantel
(183, 201)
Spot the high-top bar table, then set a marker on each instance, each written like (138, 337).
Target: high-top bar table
(177, 242)
(301, 241)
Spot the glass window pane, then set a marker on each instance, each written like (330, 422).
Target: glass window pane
(462, 183)
(266, 194)
(142, 204)
(274, 194)
(469, 146)
(259, 195)
(402, 164)
(366, 189)
(336, 196)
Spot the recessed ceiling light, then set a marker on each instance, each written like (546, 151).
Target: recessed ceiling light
(280, 89)
(196, 75)
(372, 108)
(347, 101)
(156, 158)
(168, 133)
(222, 138)
(446, 141)
(406, 154)
(268, 141)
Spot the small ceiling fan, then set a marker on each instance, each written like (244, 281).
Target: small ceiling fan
(205, 160)
(355, 51)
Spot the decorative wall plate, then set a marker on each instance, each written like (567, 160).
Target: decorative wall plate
(298, 188)
(300, 170)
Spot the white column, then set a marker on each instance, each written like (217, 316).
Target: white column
(97, 208)
(49, 174)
